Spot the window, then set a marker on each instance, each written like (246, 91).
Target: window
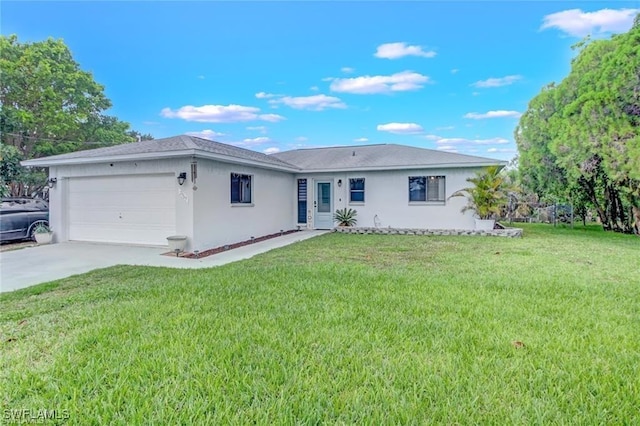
(302, 201)
(435, 188)
(417, 188)
(240, 189)
(356, 190)
(426, 188)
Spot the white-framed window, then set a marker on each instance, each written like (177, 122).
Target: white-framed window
(241, 187)
(426, 189)
(356, 190)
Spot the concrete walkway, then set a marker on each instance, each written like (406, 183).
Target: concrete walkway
(34, 265)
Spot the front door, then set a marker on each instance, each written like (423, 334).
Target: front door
(323, 206)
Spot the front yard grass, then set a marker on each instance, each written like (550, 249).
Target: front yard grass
(342, 329)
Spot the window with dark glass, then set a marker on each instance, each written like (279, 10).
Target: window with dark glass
(240, 189)
(426, 188)
(356, 190)
(417, 188)
(302, 201)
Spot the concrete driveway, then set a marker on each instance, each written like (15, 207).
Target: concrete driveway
(34, 265)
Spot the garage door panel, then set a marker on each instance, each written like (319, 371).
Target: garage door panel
(113, 234)
(136, 209)
(119, 199)
(114, 183)
(109, 216)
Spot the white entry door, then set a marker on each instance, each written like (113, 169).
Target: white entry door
(323, 205)
(132, 209)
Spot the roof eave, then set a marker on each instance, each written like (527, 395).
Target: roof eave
(407, 167)
(47, 162)
(44, 162)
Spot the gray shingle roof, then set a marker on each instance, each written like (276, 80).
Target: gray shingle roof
(233, 151)
(167, 145)
(385, 156)
(377, 156)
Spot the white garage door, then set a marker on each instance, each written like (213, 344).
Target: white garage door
(133, 209)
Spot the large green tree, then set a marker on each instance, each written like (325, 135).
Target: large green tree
(48, 106)
(580, 139)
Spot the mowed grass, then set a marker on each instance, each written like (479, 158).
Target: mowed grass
(342, 329)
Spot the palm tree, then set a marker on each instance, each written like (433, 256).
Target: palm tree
(487, 194)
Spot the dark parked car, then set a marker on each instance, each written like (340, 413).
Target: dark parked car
(20, 216)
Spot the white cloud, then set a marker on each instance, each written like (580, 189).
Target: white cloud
(502, 150)
(448, 148)
(261, 129)
(201, 77)
(304, 145)
(432, 137)
(445, 128)
(251, 143)
(465, 141)
(493, 114)
(271, 150)
(399, 82)
(264, 95)
(401, 49)
(458, 143)
(219, 114)
(472, 146)
(361, 140)
(497, 82)
(577, 23)
(455, 71)
(255, 141)
(313, 102)
(301, 139)
(400, 128)
(206, 134)
(314, 88)
(272, 118)
(347, 70)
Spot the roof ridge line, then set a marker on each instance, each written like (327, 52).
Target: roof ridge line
(188, 141)
(338, 146)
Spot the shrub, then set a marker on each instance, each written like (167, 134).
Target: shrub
(345, 217)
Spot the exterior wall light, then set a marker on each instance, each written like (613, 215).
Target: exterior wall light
(194, 172)
(339, 183)
(51, 182)
(181, 178)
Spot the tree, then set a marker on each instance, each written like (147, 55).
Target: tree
(580, 139)
(487, 195)
(538, 166)
(49, 106)
(9, 167)
(139, 136)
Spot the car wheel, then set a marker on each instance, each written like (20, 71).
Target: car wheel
(34, 225)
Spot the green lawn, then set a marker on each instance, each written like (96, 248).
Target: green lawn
(342, 329)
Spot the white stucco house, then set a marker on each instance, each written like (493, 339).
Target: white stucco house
(217, 194)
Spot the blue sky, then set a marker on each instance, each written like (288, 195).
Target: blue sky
(274, 76)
